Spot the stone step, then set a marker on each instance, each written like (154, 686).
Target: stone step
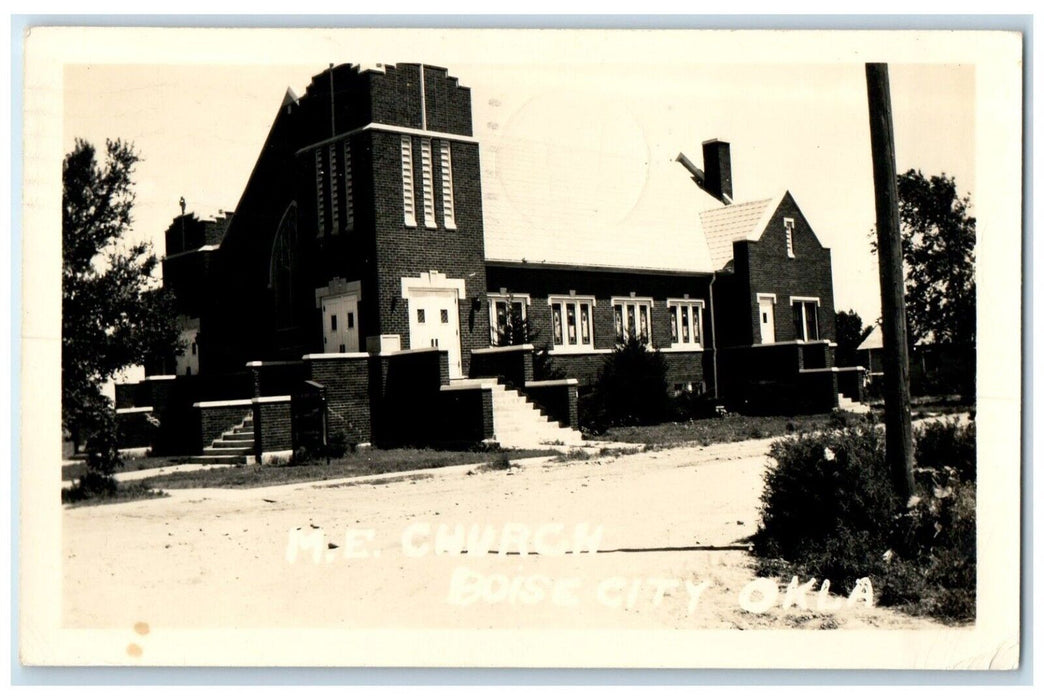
(223, 459)
(227, 450)
(231, 442)
(501, 423)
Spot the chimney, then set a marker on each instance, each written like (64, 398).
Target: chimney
(717, 166)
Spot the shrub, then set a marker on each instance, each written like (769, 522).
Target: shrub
(631, 388)
(91, 485)
(830, 511)
(827, 501)
(337, 444)
(500, 461)
(947, 444)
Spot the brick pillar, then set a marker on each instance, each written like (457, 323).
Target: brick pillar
(273, 434)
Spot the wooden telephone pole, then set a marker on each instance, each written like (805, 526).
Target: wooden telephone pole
(898, 432)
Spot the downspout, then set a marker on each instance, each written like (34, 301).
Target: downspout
(714, 336)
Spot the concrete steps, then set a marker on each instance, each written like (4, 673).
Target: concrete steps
(518, 423)
(235, 446)
(846, 404)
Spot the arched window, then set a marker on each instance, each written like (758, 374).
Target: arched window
(282, 266)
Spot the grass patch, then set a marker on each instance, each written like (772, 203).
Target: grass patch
(729, 428)
(363, 463)
(130, 464)
(96, 491)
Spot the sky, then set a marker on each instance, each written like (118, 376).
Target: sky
(578, 154)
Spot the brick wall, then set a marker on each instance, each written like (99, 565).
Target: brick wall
(404, 252)
(463, 417)
(272, 427)
(512, 364)
(405, 389)
(347, 383)
(276, 378)
(850, 382)
(770, 270)
(215, 420)
(134, 429)
(557, 399)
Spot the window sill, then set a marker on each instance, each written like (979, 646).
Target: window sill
(580, 350)
(682, 348)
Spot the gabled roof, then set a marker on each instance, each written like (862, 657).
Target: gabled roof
(736, 222)
(874, 341)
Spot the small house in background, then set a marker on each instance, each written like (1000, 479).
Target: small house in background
(350, 293)
(869, 355)
(936, 369)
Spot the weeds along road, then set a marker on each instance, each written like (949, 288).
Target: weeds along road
(667, 527)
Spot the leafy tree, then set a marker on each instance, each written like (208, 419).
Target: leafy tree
(938, 235)
(850, 333)
(114, 314)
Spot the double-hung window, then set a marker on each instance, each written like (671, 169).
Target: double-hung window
(632, 319)
(806, 317)
(507, 319)
(686, 322)
(571, 322)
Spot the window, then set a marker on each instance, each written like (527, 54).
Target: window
(334, 211)
(571, 323)
(420, 315)
(408, 205)
(349, 205)
(507, 319)
(320, 203)
(806, 318)
(351, 320)
(788, 226)
(444, 315)
(193, 349)
(449, 219)
(686, 322)
(333, 322)
(427, 184)
(631, 317)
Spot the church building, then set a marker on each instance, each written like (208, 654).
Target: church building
(350, 293)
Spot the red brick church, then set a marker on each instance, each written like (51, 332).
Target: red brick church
(350, 293)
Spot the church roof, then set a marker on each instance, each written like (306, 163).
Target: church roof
(736, 222)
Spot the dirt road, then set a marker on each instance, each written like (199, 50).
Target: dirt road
(667, 527)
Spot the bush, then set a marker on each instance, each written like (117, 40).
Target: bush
(631, 389)
(90, 486)
(829, 510)
(828, 499)
(337, 444)
(947, 444)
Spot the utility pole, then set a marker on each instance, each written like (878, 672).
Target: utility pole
(898, 432)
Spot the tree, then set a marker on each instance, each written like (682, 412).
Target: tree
(114, 314)
(850, 333)
(939, 259)
(631, 388)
